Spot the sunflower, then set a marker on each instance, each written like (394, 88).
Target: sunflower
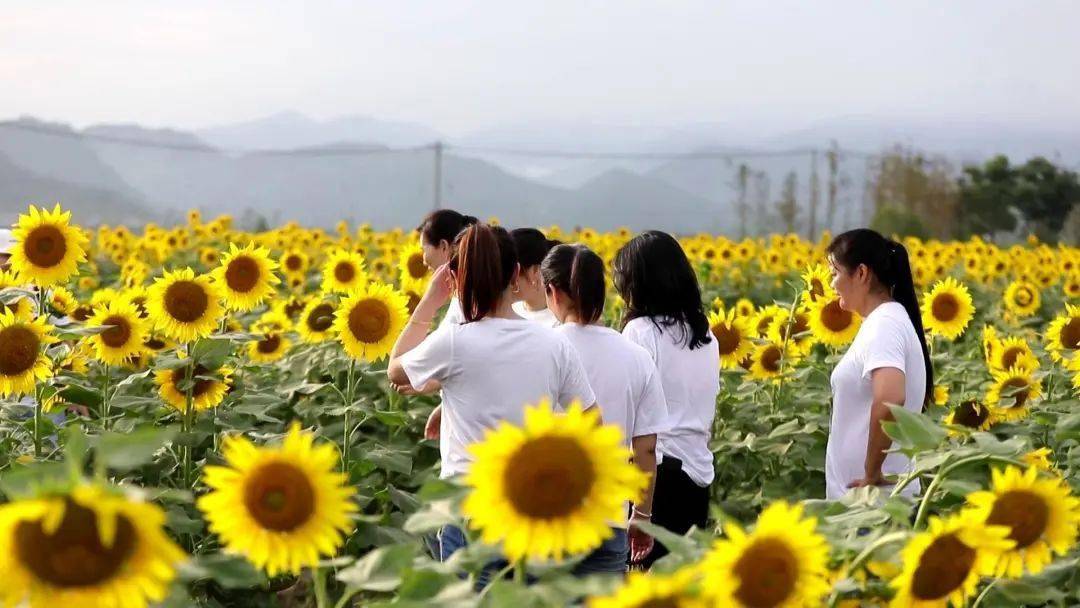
(369, 320)
(280, 507)
(125, 335)
(1022, 298)
(20, 305)
(22, 358)
(947, 308)
(62, 300)
(971, 414)
(47, 249)
(1013, 351)
(1016, 388)
(831, 324)
(89, 549)
(316, 321)
(295, 262)
(246, 276)
(801, 339)
(268, 348)
(990, 344)
(943, 563)
(414, 272)
(818, 279)
(1063, 334)
(208, 387)
(1070, 287)
(1040, 459)
(272, 322)
(1042, 515)
(209, 256)
(554, 486)
(184, 306)
(292, 306)
(732, 333)
(653, 590)
(941, 394)
(783, 562)
(767, 358)
(343, 272)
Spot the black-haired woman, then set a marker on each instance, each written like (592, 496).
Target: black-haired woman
(492, 364)
(531, 302)
(887, 363)
(438, 231)
(665, 315)
(624, 378)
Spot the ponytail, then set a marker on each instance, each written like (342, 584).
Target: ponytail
(888, 261)
(578, 272)
(485, 262)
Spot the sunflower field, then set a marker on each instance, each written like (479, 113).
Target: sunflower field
(200, 416)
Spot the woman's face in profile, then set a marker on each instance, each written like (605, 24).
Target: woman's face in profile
(843, 283)
(435, 256)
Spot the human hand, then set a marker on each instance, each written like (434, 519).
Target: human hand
(641, 544)
(431, 429)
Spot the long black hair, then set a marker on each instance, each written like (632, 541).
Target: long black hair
(484, 263)
(532, 246)
(444, 225)
(654, 277)
(578, 272)
(888, 261)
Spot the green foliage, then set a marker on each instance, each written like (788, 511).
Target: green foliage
(1040, 191)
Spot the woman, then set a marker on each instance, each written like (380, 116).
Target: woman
(437, 234)
(887, 363)
(492, 364)
(623, 376)
(531, 301)
(665, 315)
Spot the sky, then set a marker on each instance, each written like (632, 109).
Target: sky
(462, 66)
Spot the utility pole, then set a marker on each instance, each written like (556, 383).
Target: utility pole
(814, 194)
(437, 185)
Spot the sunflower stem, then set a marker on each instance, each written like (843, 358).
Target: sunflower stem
(319, 574)
(519, 571)
(37, 422)
(783, 349)
(189, 371)
(345, 457)
(105, 401)
(984, 593)
(920, 516)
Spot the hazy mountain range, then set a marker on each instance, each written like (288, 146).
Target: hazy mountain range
(291, 167)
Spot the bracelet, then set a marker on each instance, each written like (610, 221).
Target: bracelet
(418, 322)
(641, 513)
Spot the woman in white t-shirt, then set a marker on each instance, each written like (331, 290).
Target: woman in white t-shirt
(530, 301)
(887, 363)
(437, 234)
(624, 378)
(494, 363)
(665, 315)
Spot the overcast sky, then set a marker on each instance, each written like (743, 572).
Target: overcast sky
(461, 66)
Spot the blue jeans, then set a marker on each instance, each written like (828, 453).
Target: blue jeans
(451, 539)
(609, 558)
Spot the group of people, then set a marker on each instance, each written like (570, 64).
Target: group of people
(522, 322)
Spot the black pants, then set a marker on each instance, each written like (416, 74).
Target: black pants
(678, 503)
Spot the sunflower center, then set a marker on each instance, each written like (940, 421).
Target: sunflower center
(1008, 358)
(816, 288)
(834, 318)
(369, 320)
(186, 301)
(154, 343)
(1018, 389)
(414, 301)
(321, 317)
(1070, 334)
(799, 325)
(970, 414)
(770, 359)
(19, 348)
(727, 337)
(73, 555)
(199, 385)
(344, 272)
(118, 335)
(1024, 513)
(269, 344)
(293, 307)
(549, 477)
(292, 263)
(1023, 296)
(242, 274)
(945, 307)
(660, 602)
(767, 573)
(45, 246)
(82, 313)
(943, 567)
(279, 497)
(415, 265)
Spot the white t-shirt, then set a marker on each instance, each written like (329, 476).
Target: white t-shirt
(691, 382)
(490, 370)
(453, 315)
(885, 339)
(543, 316)
(623, 377)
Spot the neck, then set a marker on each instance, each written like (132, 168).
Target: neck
(873, 300)
(572, 317)
(504, 309)
(534, 302)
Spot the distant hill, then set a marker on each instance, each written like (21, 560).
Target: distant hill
(294, 130)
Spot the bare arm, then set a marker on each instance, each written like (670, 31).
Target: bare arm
(887, 384)
(437, 294)
(641, 544)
